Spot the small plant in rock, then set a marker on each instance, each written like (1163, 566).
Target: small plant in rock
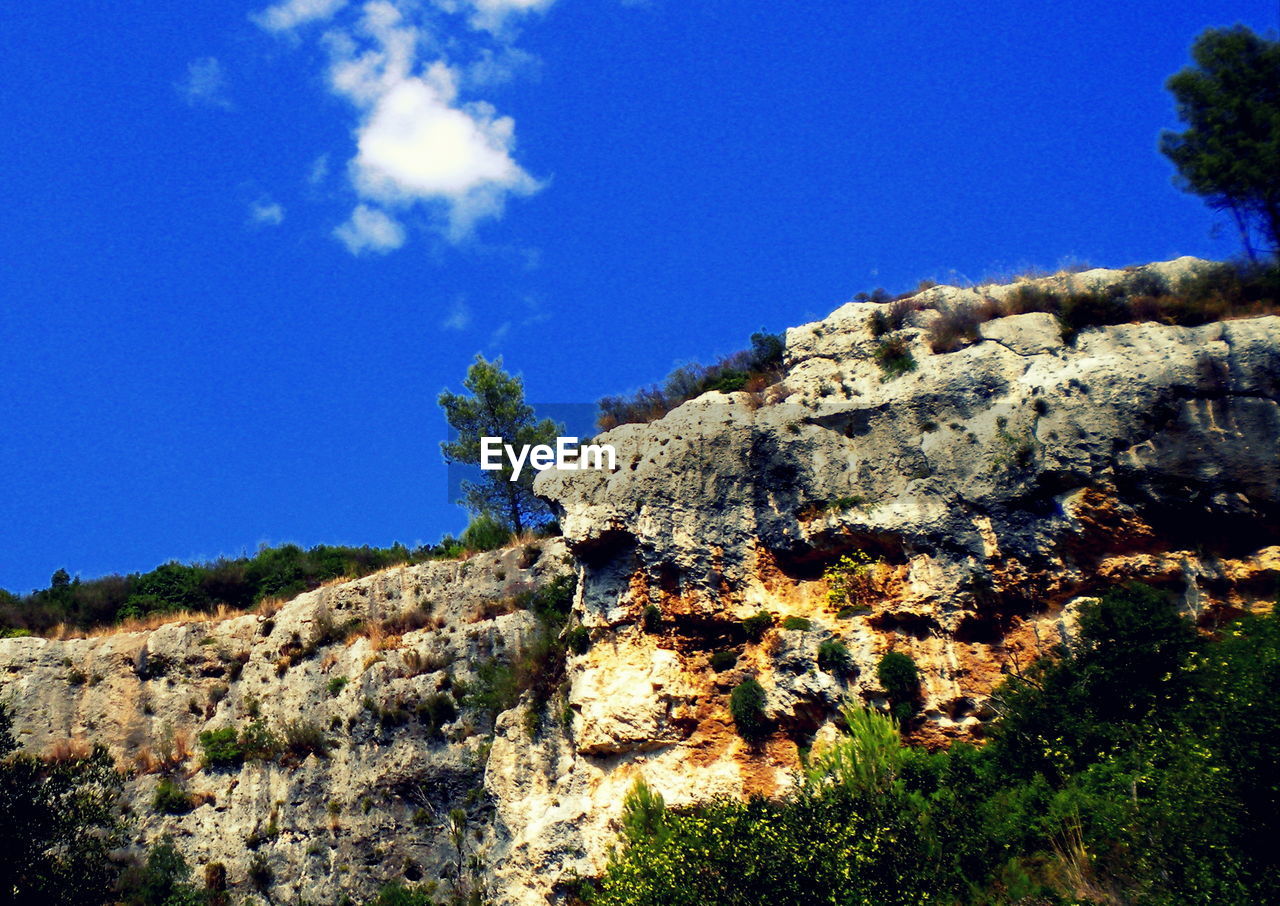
(652, 618)
(833, 657)
(723, 660)
(893, 355)
(756, 626)
(578, 639)
(258, 743)
(336, 685)
(303, 737)
(797, 624)
(746, 705)
(221, 748)
(171, 799)
(853, 581)
(900, 678)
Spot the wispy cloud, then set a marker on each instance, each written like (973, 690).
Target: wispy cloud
(266, 213)
(292, 13)
(418, 143)
(205, 84)
(370, 230)
(459, 316)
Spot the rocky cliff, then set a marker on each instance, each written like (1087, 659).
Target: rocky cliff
(955, 513)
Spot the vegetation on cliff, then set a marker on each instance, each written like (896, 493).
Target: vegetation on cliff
(1135, 767)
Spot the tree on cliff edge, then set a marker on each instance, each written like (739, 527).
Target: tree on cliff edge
(1230, 152)
(496, 408)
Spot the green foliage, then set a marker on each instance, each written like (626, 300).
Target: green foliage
(171, 799)
(1138, 766)
(833, 657)
(652, 618)
(336, 685)
(723, 660)
(866, 762)
(164, 880)
(257, 742)
(58, 823)
(644, 813)
(746, 704)
(898, 675)
(578, 639)
(800, 624)
(853, 581)
(484, 533)
(1230, 152)
(751, 369)
(756, 626)
(202, 587)
(495, 407)
(304, 737)
(221, 748)
(436, 710)
(893, 355)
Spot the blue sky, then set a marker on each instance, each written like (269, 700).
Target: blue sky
(246, 245)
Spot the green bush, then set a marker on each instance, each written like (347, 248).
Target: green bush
(578, 639)
(436, 710)
(171, 799)
(723, 660)
(746, 705)
(834, 658)
(893, 355)
(652, 618)
(257, 742)
(800, 624)
(336, 685)
(756, 626)
(898, 675)
(221, 748)
(484, 533)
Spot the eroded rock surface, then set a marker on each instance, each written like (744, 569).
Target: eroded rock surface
(985, 493)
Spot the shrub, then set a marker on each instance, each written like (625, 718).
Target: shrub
(652, 618)
(258, 743)
(171, 799)
(336, 685)
(746, 705)
(853, 581)
(955, 326)
(894, 357)
(221, 748)
(723, 660)
(756, 626)
(800, 624)
(578, 639)
(834, 658)
(899, 676)
(436, 710)
(484, 533)
(304, 737)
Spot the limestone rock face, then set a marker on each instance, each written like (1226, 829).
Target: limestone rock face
(959, 513)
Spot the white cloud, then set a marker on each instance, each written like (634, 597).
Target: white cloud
(370, 230)
(492, 15)
(319, 170)
(292, 13)
(416, 142)
(459, 317)
(205, 84)
(266, 213)
(499, 67)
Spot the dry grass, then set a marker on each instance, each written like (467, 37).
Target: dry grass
(68, 750)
